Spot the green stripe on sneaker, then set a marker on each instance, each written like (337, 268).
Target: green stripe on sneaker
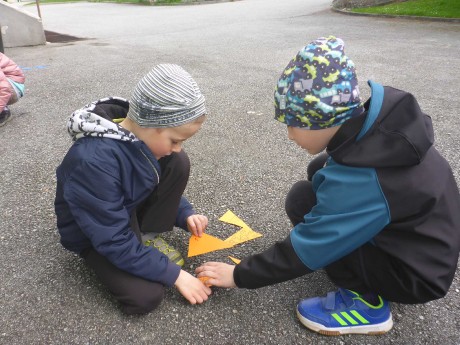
(339, 319)
(358, 316)
(349, 318)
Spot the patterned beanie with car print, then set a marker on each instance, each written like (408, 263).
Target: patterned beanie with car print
(318, 88)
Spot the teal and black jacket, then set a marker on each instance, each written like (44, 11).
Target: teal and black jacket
(385, 184)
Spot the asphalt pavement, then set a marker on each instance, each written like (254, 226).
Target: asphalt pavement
(241, 161)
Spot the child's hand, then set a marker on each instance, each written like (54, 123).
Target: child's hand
(192, 288)
(220, 274)
(197, 223)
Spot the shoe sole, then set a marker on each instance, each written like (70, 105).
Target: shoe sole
(377, 329)
(8, 119)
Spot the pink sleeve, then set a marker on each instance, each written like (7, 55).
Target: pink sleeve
(5, 91)
(11, 70)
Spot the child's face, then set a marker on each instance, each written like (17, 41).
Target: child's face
(314, 141)
(164, 141)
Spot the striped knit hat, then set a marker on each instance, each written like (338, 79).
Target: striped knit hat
(166, 97)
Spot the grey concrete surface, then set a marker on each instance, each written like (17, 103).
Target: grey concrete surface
(241, 160)
(20, 28)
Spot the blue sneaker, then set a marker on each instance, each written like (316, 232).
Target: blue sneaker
(344, 312)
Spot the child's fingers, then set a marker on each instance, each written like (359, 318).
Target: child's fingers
(201, 268)
(199, 228)
(201, 223)
(209, 264)
(197, 224)
(219, 273)
(208, 267)
(201, 294)
(192, 226)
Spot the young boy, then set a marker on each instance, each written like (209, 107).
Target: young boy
(379, 211)
(121, 183)
(11, 86)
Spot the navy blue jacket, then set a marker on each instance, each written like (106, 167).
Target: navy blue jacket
(105, 175)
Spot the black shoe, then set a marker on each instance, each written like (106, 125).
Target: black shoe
(5, 116)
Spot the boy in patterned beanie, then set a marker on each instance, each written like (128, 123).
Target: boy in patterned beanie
(379, 211)
(121, 184)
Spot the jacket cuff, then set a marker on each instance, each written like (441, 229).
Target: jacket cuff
(171, 274)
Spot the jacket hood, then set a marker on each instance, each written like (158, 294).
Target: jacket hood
(392, 132)
(98, 119)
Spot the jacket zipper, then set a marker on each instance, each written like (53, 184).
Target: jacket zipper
(151, 164)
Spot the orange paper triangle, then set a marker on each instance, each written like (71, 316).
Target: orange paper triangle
(205, 244)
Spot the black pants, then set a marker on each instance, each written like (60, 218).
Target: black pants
(156, 214)
(368, 268)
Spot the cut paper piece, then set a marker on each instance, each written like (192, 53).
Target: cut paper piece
(231, 218)
(245, 234)
(235, 260)
(205, 244)
(204, 281)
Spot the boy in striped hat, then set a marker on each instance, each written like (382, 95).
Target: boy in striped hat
(121, 184)
(378, 211)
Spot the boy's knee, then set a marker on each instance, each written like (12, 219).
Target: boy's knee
(316, 164)
(144, 302)
(181, 161)
(299, 201)
(177, 164)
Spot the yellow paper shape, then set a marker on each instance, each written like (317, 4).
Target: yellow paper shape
(245, 234)
(205, 244)
(235, 260)
(231, 218)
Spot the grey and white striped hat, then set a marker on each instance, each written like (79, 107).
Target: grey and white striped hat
(166, 97)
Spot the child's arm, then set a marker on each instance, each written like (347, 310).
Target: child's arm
(276, 264)
(192, 288)
(220, 274)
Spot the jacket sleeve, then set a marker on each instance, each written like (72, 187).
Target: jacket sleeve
(350, 210)
(275, 265)
(185, 210)
(11, 69)
(94, 194)
(5, 91)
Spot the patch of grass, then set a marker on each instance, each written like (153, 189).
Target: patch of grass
(168, 1)
(422, 8)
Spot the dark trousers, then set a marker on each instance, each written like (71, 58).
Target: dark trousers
(365, 270)
(156, 214)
